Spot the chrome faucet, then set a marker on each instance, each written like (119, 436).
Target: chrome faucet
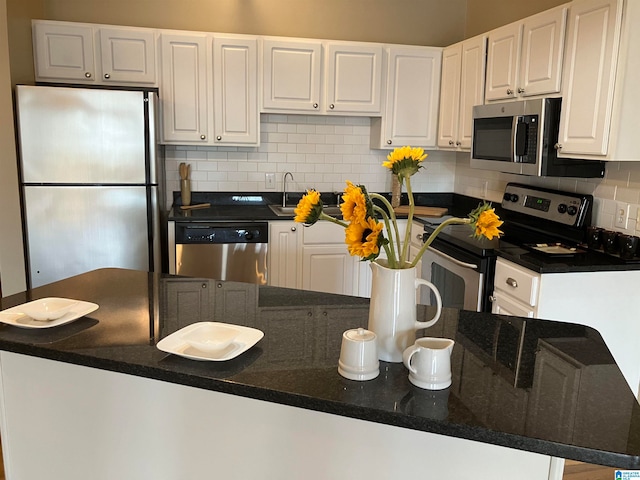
(284, 187)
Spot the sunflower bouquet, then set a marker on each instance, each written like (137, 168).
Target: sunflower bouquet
(370, 222)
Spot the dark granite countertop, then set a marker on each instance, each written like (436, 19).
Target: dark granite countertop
(296, 363)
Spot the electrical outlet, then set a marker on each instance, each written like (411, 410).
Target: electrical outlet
(270, 180)
(621, 219)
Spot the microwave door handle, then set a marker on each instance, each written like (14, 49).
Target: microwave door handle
(454, 260)
(521, 139)
(514, 137)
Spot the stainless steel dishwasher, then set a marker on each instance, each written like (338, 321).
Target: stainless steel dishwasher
(222, 251)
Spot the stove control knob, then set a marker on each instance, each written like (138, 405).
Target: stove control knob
(506, 197)
(562, 208)
(572, 210)
(513, 197)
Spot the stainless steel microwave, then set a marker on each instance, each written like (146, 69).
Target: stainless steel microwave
(520, 137)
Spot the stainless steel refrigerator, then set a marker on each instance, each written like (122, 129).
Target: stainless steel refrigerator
(90, 180)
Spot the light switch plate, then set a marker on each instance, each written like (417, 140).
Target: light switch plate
(621, 219)
(270, 180)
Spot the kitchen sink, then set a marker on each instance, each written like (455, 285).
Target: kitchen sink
(289, 211)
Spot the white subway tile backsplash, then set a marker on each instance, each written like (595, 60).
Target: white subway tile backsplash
(322, 152)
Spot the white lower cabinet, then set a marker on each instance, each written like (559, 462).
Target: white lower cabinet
(316, 258)
(284, 254)
(603, 300)
(327, 265)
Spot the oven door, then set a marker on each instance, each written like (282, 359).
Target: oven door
(460, 282)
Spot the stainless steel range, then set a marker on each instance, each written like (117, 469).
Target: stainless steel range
(548, 223)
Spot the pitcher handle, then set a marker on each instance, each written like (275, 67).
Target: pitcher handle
(420, 282)
(406, 357)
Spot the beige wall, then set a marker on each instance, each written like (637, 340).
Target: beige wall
(12, 274)
(485, 15)
(422, 22)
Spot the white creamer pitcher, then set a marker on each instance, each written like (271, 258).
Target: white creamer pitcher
(429, 362)
(392, 311)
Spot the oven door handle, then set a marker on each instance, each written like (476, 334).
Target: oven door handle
(454, 260)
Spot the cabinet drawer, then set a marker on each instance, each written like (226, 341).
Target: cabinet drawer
(518, 282)
(323, 233)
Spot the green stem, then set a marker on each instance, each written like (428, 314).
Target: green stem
(407, 235)
(392, 214)
(329, 218)
(391, 253)
(449, 221)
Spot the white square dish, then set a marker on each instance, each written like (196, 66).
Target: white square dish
(73, 309)
(198, 341)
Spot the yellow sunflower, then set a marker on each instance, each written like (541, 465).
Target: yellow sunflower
(355, 206)
(363, 239)
(309, 208)
(485, 222)
(405, 161)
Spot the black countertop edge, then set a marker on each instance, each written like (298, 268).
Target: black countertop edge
(402, 420)
(542, 265)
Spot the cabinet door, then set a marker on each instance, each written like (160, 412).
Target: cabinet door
(291, 75)
(504, 305)
(235, 90)
(503, 60)
(591, 54)
(413, 86)
(64, 51)
(285, 243)
(353, 79)
(542, 48)
(328, 268)
(450, 96)
(128, 55)
(184, 88)
(472, 76)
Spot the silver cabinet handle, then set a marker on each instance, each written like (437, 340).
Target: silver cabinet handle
(509, 91)
(388, 142)
(107, 76)
(315, 105)
(557, 146)
(458, 144)
(492, 299)
(520, 90)
(419, 237)
(451, 142)
(87, 74)
(293, 229)
(203, 137)
(512, 282)
(331, 106)
(218, 138)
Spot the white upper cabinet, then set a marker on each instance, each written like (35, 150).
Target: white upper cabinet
(184, 92)
(330, 77)
(354, 77)
(462, 87)
(412, 94)
(94, 54)
(235, 90)
(525, 58)
(291, 75)
(600, 96)
(128, 55)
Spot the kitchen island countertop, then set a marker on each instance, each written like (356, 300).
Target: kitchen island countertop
(295, 364)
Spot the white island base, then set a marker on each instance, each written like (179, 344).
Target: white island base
(63, 421)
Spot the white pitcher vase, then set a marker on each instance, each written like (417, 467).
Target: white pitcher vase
(393, 307)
